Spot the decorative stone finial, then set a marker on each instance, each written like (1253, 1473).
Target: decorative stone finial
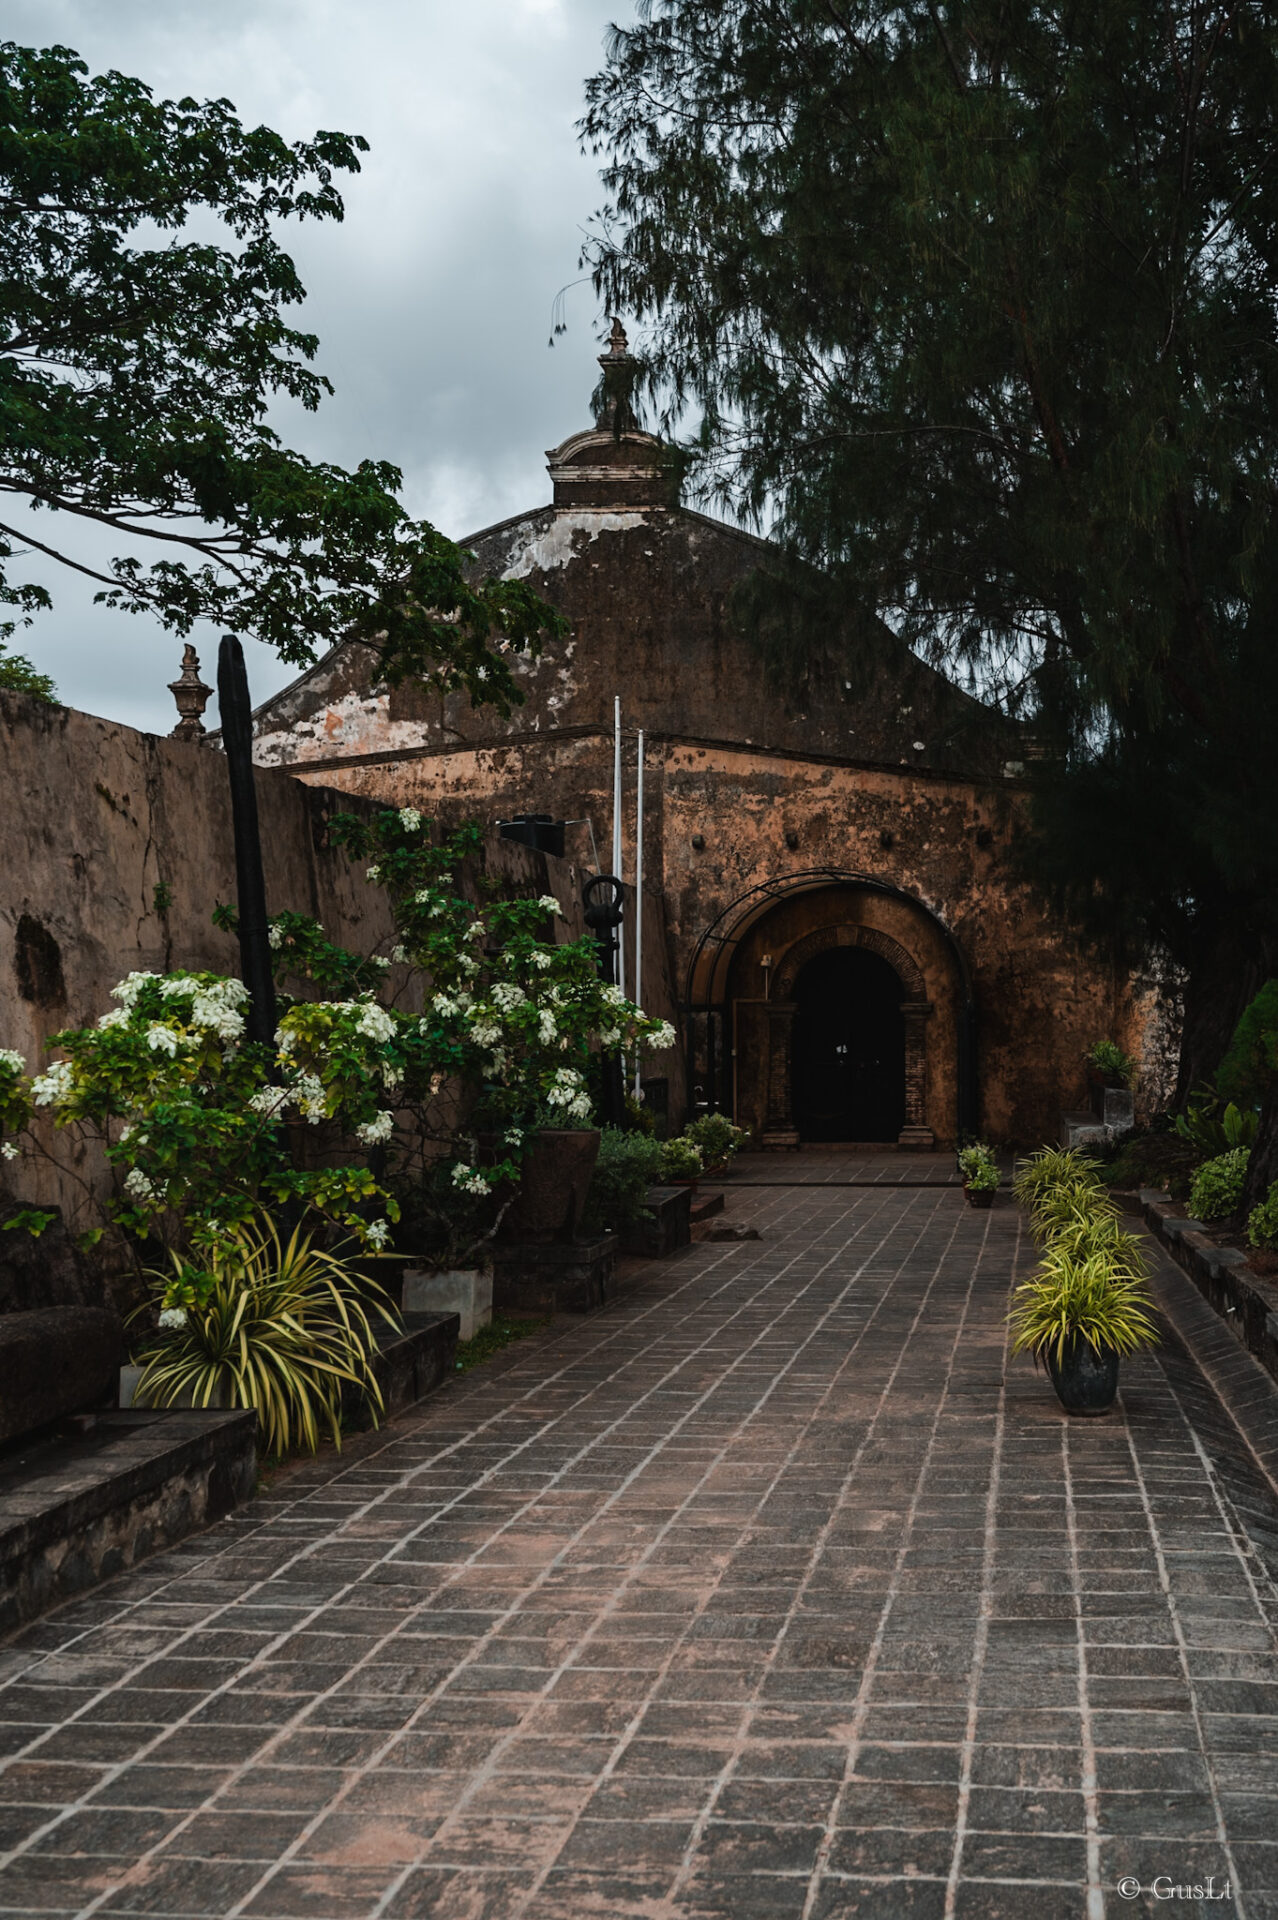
(614, 396)
(191, 695)
(618, 345)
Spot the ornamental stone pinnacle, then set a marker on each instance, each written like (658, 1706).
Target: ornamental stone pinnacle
(191, 695)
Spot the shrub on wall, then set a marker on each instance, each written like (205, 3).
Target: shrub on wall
(628, 1164)
(1218, 1185)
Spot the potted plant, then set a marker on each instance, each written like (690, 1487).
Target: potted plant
(717, 1140)
(681, 1162)
(980, 1174)
(1088, 1304)
(1110, 1074)
(281, 1326)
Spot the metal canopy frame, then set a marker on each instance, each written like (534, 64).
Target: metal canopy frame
(709, 968)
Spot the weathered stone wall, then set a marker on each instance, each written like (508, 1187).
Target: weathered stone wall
(1041, 999)
(116, 848)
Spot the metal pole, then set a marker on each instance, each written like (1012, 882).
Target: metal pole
(602, 898)
(250, 884)
(617, 868)
(639, 895)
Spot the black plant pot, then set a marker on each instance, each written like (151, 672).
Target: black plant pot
(979, 1196)
(1085, 1381)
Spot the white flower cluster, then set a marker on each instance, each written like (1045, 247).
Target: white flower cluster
(508, 996)
(118, 1017)
(371, 1132)
(268, 1100)
(218, 1009)
(469, 1179)
(410, 820)
(162, 1039)
(14, 1061)
(399, 954)
(140, 1188)
(549, 902)
(374, 873)
(128, 989)
(547, 1026)
(568, 1090)
(8, 1151)
(173, 1317)
(310, 1098)
(661, 1036)
(215, 1006)
(374, 1021)
(539, 959)
(377, 1234)
(55, 1085)
(485, 1033)
(444, 1004)
(275, 935)
(612, 996)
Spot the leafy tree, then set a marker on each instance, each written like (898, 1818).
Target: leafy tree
(982, 301)
(144, 336)
(17, 675)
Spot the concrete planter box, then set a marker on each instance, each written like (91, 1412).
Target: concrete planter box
(75, 1512)
(668, 1228)
(573, 1277)
(465, 1291)
(129, 1378)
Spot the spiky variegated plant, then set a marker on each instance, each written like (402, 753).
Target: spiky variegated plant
(1076, 1298)
(1053, 1167)
(279, 1327)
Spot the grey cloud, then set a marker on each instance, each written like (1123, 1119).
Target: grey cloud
(432, 301)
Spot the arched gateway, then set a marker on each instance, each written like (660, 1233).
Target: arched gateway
(833, 1008)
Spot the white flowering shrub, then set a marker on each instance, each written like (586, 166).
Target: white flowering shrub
(203, 1128)
(194, 1120)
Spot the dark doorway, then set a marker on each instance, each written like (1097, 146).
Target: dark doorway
(849, 1048)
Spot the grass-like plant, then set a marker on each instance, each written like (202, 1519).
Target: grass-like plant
(278, 1326)
(1062, 1209)
(1087, 1298)
(1053, 1167)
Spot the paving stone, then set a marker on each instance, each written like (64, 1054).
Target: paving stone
(773, 1589)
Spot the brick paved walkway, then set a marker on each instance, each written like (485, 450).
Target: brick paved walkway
(760, 1596)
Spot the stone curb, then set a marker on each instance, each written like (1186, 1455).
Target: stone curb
(1246, 1303)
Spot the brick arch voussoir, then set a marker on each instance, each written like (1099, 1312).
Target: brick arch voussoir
(902, 962)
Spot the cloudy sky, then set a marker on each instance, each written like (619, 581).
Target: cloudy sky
(432, 301)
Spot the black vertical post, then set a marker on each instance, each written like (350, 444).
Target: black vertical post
(250, 884)
(604, 898)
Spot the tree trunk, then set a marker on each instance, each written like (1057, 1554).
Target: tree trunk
(1231, 969)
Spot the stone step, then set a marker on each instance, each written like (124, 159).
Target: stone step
(706, 1202)
(77, 1509)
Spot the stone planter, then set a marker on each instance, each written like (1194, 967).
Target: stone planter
(1085, 1382)
(129, 1377)
(1113, 1106)
(553, 1184)
(465, 1291)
